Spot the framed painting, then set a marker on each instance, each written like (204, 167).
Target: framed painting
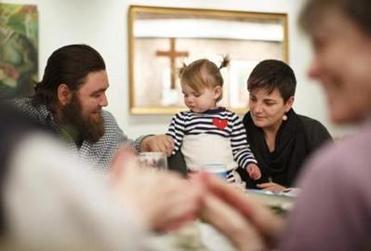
(18, 49)
(162, 39)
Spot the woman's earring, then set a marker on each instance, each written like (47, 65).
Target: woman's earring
(284, 117)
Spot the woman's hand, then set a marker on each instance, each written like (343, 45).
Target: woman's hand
(271, 186)
(162, 200)
(248, 224)
(157, 143)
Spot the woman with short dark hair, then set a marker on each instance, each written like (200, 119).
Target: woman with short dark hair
(280, 139)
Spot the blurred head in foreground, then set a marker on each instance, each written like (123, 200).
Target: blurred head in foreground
(340, 31)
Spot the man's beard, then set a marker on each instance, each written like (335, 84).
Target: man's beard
(85, 128)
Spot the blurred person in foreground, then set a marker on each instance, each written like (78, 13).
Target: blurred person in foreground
(333, 211)
(70, 99)
(51, 200)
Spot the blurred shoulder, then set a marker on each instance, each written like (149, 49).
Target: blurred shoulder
(348, 158)
(23, 104)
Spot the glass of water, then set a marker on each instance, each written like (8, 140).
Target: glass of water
(156, 160)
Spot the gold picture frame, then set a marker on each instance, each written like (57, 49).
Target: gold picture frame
(160, 39)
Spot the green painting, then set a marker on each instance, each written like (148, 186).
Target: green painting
(18, 49)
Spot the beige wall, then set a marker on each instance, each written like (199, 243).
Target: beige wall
(103, 25)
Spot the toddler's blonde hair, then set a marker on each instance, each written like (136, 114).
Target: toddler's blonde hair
(203, 73)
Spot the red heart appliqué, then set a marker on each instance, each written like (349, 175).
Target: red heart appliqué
(220, 123)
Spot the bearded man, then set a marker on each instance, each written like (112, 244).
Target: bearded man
(69, 100)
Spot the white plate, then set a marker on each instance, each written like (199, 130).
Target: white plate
(271, 199)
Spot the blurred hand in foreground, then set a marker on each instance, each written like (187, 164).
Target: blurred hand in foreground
(163, 200)
(248, 224)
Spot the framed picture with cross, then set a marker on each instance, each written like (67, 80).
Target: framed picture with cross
(161, 39)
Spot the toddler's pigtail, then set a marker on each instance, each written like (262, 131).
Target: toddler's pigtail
(182, 69)
(225, 62)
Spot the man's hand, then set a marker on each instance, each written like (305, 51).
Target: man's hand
(157, 143)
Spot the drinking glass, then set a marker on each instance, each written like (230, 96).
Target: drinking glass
(156, 160)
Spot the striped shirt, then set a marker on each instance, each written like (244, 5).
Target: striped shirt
(219, 122)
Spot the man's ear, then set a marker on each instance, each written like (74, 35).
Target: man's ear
(289, 103)
(64, 94)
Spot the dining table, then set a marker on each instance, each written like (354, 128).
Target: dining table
(201, 236)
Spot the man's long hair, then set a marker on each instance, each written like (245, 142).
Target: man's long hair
(67, 65)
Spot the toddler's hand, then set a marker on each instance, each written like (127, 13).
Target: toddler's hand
(253, 171)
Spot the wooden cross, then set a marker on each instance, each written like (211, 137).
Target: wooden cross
(172, 54)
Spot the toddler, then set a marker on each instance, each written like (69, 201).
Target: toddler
(207, 134)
